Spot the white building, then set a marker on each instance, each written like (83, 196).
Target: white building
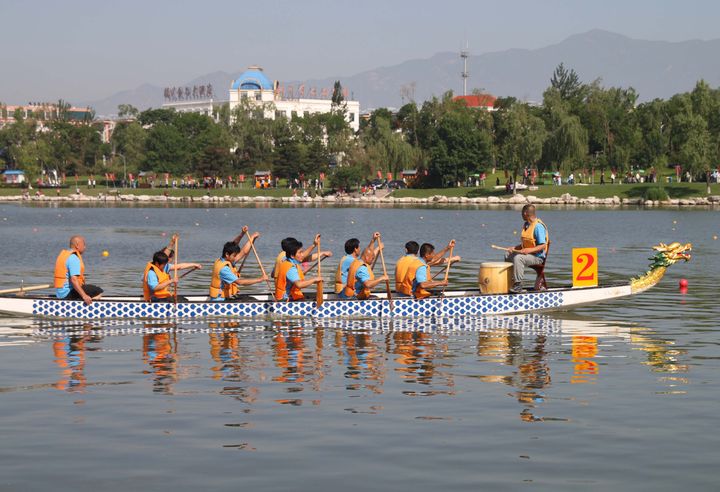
(254, 85)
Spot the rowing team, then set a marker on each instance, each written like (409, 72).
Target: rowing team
(354, 277)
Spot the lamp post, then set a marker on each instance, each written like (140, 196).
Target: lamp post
(124, 169)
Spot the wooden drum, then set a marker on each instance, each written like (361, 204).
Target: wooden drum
(495, 277)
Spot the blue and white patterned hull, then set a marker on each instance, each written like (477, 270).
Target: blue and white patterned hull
(454, 304)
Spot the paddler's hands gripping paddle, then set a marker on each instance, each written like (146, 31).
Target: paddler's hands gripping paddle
(262, 268)
(177, 243)
(449, 262)
(319, 295)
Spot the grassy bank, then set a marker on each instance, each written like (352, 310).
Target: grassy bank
(274, 192)
(674, 190)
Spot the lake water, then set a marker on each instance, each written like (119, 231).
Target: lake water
(621, 395)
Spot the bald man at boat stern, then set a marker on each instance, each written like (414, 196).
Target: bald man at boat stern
(69, 279)
(531, 251)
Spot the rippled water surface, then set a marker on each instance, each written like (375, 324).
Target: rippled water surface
(621, 395)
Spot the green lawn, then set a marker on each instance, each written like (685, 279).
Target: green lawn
(674, 190)
(247, 191)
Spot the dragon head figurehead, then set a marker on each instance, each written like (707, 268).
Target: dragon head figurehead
(667, 254)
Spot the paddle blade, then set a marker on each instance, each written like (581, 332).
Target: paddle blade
(319, 296)
(389, 295)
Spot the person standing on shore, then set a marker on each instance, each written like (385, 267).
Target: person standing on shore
(531, 251)
(69, 274)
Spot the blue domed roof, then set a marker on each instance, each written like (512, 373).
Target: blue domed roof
(253, 79)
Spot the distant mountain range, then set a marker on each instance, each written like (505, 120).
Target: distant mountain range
(654, 68)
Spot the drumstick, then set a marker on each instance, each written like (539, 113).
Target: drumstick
(499, 247)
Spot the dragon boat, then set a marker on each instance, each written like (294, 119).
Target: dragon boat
(452, 303)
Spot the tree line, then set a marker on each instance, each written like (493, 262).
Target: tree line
(578, 126)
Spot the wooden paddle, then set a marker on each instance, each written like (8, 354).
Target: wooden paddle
(188, 272)
(242, 264)
(387, 281)
(262, 268)
(25, 289)
(319, 295)
(312, 267)
(177, 262)
(447, 270)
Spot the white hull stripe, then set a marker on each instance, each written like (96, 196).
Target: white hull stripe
(453, 305)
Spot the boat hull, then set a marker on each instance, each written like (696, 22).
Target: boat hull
(457, 303)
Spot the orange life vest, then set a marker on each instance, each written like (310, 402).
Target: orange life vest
(338, 276)
(278, 262)
(230, 289)
(419, 293)
(528, 235)
(402, 267)
(61, 270)
(281, 282)
(162, 276)
(352, 280)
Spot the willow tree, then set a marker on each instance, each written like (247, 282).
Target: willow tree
(521, 136)
(567, 140)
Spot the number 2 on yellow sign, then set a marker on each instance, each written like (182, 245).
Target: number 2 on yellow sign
(585, 267)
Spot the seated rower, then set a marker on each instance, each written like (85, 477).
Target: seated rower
(352, 252)
(403, 287)
(303, 256)
(531, 251)
(408, 264)
(420, 271)
(361, 279)
(69, 275)
(225, 276)
(290, 277)
(439, 257)
(157, 279)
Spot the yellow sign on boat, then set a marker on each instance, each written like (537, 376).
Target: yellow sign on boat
(585, 267)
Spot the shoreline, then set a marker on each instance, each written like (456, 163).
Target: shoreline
(710, 201)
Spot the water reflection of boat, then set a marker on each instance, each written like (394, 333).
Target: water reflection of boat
(527, 323)
(453, 303)
(525, 355)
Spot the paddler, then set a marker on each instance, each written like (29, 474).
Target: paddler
(303, 256)
(361, 279)
(157, 279)
(225, 276)
(419, 272)
(531, 251)
(352, 253)
(69, 275)
(408, 264)
(403, 287)
(290, 277)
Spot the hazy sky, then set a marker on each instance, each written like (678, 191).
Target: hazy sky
(86, 50)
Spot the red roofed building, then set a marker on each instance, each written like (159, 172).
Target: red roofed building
(482, 101)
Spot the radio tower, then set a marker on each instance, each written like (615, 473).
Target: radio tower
(465, 74)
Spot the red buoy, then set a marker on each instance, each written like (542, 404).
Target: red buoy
(683, 283)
